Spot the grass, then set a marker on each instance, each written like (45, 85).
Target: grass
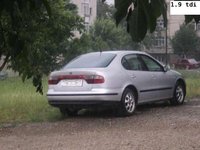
(193, 82)
(20, 103)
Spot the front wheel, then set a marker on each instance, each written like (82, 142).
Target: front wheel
(128, 102)
(179, 95)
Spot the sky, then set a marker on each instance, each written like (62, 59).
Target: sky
(110, 1)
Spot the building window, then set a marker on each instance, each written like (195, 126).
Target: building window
(87, 20)
(85, 9)
(159, 41)
(90, 11)
(198, 26)
(160, 24)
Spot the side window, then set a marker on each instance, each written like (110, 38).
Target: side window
(184, 61)
(131, 62)
(151, 64)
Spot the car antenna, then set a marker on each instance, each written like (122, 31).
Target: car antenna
(100, 51)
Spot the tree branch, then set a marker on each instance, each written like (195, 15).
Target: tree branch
(4, 63)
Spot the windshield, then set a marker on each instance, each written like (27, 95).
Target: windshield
(193, 61)
(91, 60)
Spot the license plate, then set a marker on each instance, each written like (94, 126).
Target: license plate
(72, 83)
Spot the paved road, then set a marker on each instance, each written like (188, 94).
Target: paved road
(153, 127)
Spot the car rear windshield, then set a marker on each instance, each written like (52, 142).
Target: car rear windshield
(91, 60)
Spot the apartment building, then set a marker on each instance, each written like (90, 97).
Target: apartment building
(158, 49)
(88, 10)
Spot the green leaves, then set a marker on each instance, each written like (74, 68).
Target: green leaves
(185, 40)
(189, 18)
(141, 15)
(46, 4)
(34, 42)
(104, 35)
(122, 9)
(148, 13)
(136, 21)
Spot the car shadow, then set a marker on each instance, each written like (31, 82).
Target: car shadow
(109, 112)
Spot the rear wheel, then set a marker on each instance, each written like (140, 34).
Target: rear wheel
(179, 94)
(128, 102)
(68, 111)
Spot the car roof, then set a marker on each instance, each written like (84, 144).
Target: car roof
(123, 52)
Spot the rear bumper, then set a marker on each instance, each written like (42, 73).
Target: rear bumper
(83, 104)
(57, 99)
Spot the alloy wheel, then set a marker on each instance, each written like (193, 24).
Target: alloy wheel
(129, 102)
(179, 94)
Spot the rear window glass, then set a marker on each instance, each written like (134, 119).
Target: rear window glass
(91, 60)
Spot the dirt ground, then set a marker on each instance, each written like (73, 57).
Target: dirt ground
(153, 127)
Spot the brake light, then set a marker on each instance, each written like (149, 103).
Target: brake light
(90, 79)
(53, 80)
(94, 79)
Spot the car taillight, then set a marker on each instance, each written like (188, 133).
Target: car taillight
(94, 79)
(53, 80)
(90, 79)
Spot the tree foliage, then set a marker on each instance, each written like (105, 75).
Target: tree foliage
(185, 40)
(141, 16)
(104, 10)
(11, 15)
(33, 40)
(104, 35)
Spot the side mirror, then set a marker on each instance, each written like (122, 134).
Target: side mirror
(166, 68)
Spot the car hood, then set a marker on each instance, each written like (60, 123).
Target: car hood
(176, 73)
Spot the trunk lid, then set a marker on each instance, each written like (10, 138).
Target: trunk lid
(74, 80)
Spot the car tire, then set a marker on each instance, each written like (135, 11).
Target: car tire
(68, 111)
(179, 94)
(128, 102)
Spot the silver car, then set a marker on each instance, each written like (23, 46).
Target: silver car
(125, 78)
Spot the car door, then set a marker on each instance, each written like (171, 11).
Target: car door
(139, 76)
(162, 81)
